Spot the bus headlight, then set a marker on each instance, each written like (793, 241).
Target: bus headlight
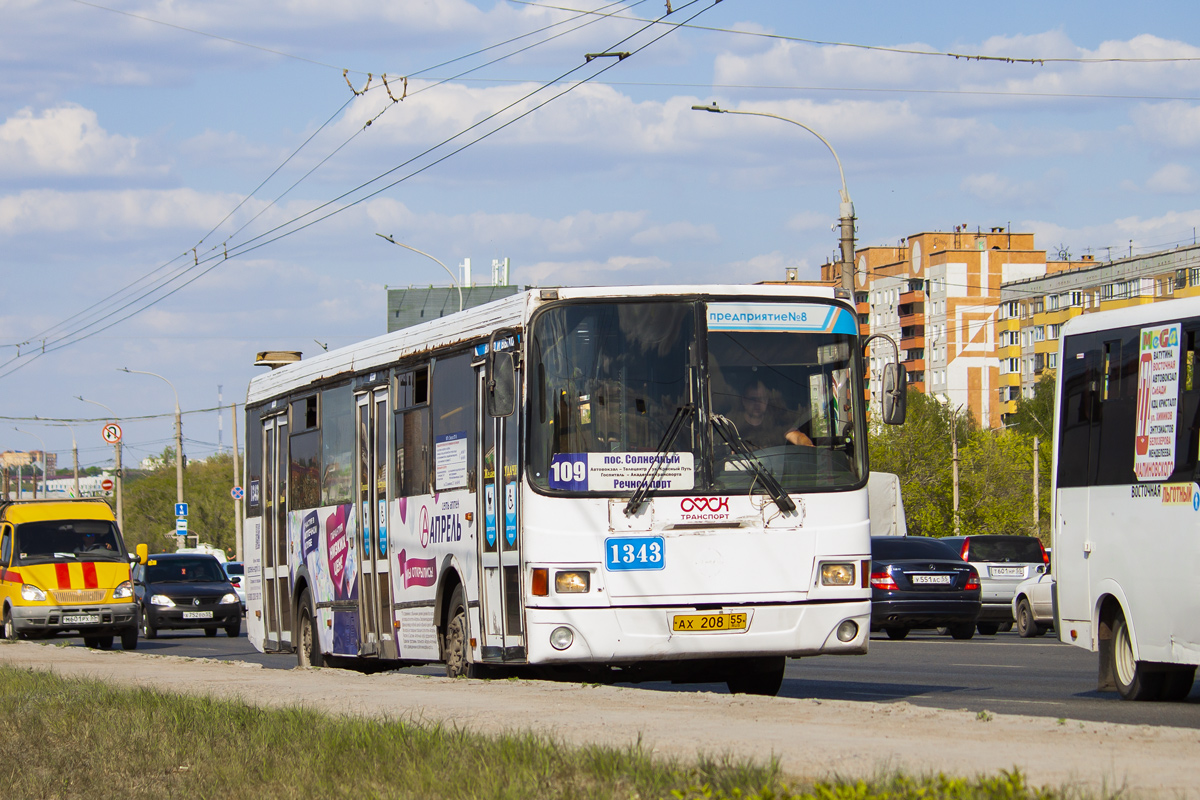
(32, 593)
(572, 582)
(561, 638)
(840, 574)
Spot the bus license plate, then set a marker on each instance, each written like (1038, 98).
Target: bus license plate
(701, 623)
(81, 619)
(1008, 572)
(197, 615)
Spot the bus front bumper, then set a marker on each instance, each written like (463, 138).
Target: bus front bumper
(631, 635)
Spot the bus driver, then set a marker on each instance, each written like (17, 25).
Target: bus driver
(760, 425)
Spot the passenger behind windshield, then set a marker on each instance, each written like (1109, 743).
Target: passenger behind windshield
(83, 540)
(762, 421)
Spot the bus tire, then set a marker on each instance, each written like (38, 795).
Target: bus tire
(1026, 627)
(760, 676)
(1177, 684)
(308, 651)
(458, 639)
(129, 638)
(1136, 680)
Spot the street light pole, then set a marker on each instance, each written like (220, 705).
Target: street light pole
(846, 208)
(44, 492)
(117, 464)
(74, 456)
(439, 263)
(178, 438)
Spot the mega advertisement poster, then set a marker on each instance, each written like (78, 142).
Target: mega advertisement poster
(1157, 403)
(327, 543)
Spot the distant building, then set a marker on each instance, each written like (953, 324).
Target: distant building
(414, 305)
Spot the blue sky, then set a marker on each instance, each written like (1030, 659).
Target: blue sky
(132, 132)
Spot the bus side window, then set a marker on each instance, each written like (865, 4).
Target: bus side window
(1110, 387)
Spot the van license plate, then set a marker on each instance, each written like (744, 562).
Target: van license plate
(81, 619)
(701, 623)
(197, 615)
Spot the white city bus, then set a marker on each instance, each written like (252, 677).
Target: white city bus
(557, 480)
(1126, 538)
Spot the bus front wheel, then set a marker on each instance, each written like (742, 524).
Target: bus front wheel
(761, 676)
(458, 639)
(1136, 680)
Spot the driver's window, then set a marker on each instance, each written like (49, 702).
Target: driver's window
(5, 545)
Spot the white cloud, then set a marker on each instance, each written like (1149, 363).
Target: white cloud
(64, 141)
(1001, 191)
(111, 214)
(1113, 238)
(1172, 179)
(613, 271)
(1173, 125)
(810, 221)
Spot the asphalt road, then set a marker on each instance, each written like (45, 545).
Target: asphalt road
(998, 674)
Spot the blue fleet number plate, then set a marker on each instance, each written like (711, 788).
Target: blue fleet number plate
(628, 553)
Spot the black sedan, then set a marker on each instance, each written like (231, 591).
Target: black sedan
(185, 590)
(919, 582)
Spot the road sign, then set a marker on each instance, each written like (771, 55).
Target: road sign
(181, 525)
(111, 433)
(106, 484)
(181, 509)
(236, 493)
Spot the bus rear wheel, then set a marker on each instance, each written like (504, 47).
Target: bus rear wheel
(1136, 680)
(761, 676)
(308, 653)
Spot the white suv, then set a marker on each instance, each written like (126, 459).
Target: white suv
(1002, 563)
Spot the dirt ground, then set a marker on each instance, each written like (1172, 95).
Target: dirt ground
(812, 738)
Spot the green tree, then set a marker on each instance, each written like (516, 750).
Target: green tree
(1035, 417)
(996, 482)
(149, 504)
(919, 453)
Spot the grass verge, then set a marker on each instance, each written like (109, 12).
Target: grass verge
(68, 738)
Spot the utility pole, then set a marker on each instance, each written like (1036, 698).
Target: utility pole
(1037, 517)
(237, 503)
(954, 463)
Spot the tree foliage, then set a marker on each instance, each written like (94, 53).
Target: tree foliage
(995, 471)
(149, 504)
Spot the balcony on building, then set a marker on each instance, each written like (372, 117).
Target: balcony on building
(912, 337)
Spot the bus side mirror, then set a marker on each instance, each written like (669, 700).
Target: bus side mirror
(143, 552)
(895, 394)
(501, 383)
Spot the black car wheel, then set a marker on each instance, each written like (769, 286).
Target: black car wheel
(963, 631)
(233, 629)
(988, 628)
(148, 629)
(129, 638)
(210, 631)
(895, 632)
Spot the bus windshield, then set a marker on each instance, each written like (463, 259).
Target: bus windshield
(622, 389)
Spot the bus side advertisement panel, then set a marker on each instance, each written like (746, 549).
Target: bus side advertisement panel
(427, 528)
(325, 540)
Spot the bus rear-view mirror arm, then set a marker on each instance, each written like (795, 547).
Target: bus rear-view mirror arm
(895, 384)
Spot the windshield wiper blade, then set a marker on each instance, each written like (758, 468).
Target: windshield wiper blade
(643, 489)
(729, 433)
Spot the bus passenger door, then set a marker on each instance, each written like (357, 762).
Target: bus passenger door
(501, 610)
(372, 483)
(276, 583)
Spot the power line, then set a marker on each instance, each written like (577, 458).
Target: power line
(901, 50)
(292, 226)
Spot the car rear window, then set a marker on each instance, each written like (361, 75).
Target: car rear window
(896, 548)
(1023, 549)
(234, 568)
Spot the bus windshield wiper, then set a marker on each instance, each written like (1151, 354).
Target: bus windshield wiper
(729, 433)
(643, 489)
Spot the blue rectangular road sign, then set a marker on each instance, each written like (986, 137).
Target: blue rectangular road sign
(181, 509)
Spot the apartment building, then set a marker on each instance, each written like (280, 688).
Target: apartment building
(938, 295)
